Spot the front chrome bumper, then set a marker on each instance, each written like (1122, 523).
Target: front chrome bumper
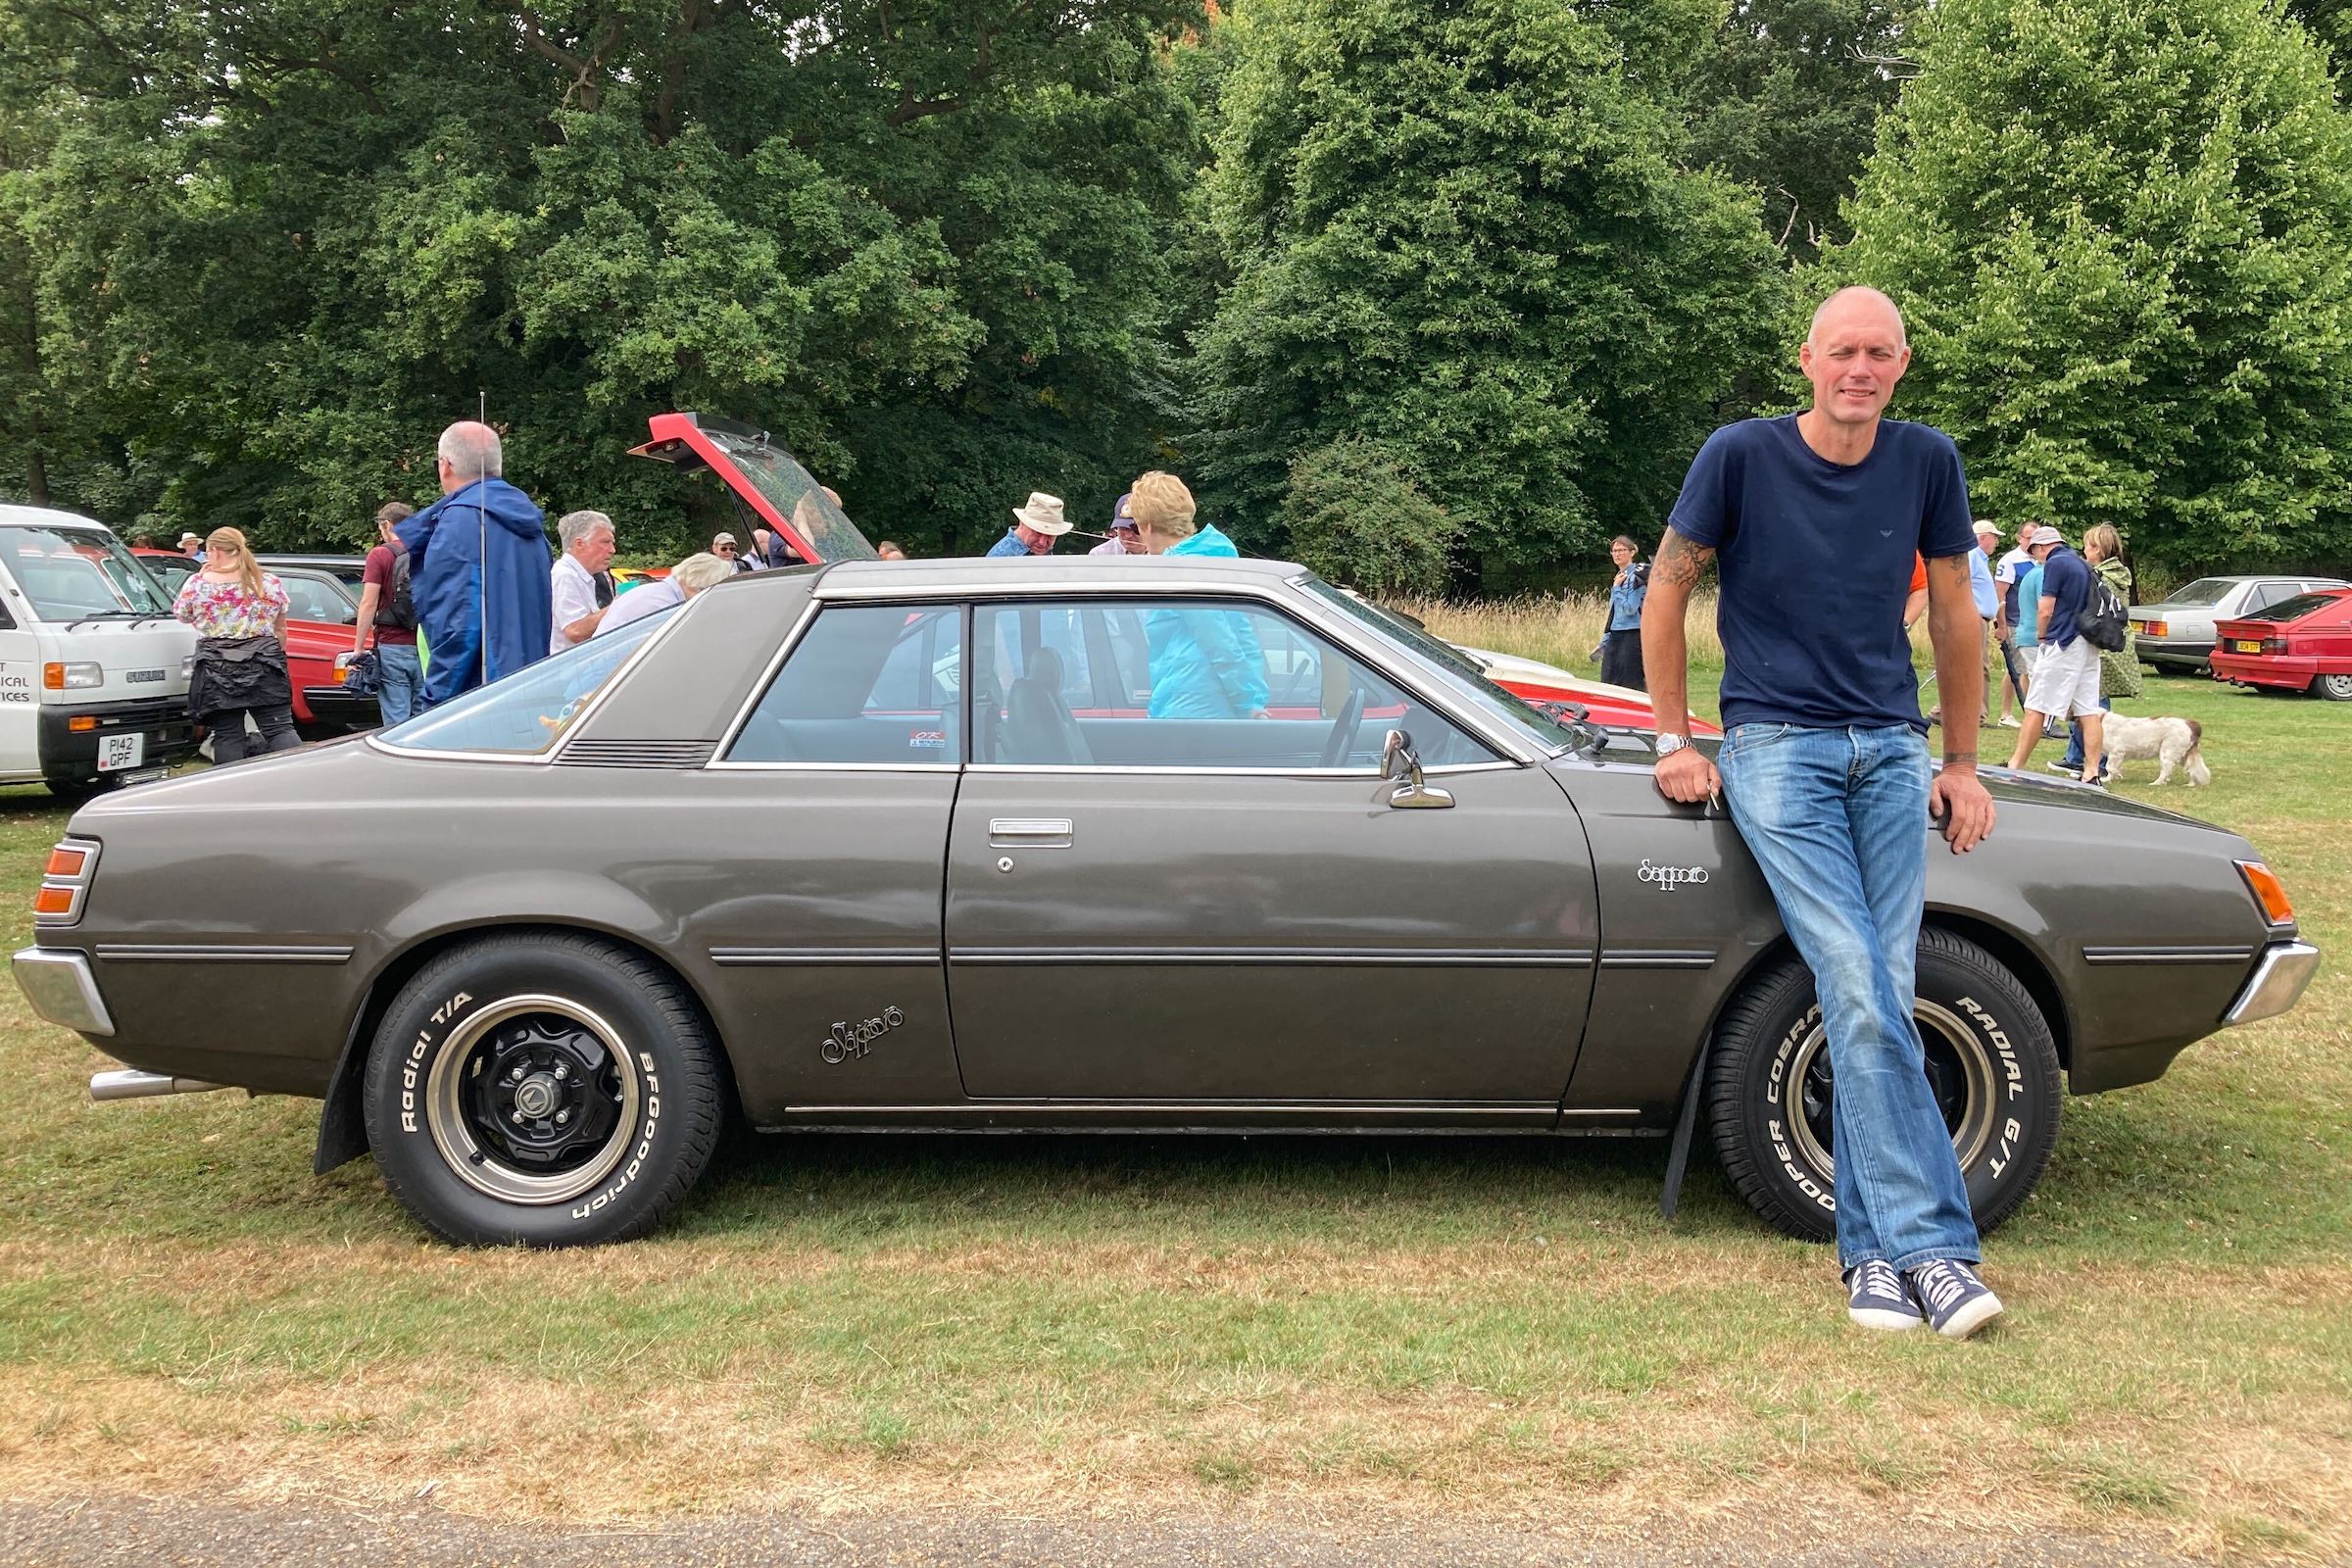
(2278, 982)
(60, 987)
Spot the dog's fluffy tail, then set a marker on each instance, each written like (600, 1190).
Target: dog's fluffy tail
(2198, 772)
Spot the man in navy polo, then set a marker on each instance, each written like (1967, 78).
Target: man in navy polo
(1824, 763)
(2065, 676)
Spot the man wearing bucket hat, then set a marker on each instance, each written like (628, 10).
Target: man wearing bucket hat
(1124, 540)
(1035, 527)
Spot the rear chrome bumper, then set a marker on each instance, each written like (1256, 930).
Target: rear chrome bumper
(60, 987)
(2278, 982)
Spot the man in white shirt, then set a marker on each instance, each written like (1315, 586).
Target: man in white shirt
(587, 541)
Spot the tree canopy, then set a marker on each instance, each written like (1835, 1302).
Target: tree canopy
(2117, 229)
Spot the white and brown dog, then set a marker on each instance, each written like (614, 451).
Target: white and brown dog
(2172, 742)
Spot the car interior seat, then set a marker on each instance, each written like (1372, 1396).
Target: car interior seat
(1038, 727)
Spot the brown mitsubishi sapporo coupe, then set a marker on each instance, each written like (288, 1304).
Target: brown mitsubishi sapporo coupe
(1162, 844)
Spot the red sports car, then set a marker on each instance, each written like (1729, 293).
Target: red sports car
(2299, 644)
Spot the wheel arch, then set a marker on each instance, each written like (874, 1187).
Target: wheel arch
(342, 1132)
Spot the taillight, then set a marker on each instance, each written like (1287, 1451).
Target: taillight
(2274, 645)
(2268, 891)
(2157, 628)
(65, 882)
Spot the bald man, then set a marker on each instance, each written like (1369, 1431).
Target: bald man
(1814, 521)
(478, 568)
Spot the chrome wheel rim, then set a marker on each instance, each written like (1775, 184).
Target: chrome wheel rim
(533, 1099)
(1960, 1074)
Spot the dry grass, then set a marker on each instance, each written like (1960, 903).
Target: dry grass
(1562, 631)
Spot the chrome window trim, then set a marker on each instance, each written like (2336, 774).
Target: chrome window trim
(561, 743)
(1302, 609)
(715, 766)
(1134, 770)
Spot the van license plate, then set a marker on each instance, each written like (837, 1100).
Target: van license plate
(119, 751)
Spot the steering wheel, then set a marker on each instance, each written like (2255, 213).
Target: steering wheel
(1342, 730)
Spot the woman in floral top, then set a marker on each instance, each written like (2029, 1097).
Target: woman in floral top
(239, 612)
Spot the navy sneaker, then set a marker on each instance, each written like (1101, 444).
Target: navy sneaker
(1876, 1298)
(1957, 1303)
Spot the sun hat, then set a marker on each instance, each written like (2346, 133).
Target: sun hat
(718, 539)
(191, 538)
(2044, 535)
(1985, 528)
(1043, 514)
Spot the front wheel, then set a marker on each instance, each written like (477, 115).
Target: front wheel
(547, 1088)
(1991, 1065)
(2335, 687)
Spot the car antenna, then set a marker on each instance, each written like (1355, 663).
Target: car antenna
(481, 531)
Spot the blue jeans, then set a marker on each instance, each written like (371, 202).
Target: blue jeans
(400, 678)
(2074, 745)
(1837, 820)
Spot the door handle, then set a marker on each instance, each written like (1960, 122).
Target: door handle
(1029, 832)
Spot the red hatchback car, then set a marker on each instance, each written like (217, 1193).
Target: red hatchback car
(2300, 644)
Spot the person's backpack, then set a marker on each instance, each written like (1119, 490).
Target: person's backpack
(398, 608)
(2104, 620)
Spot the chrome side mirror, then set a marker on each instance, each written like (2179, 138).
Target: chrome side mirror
(1398, 761)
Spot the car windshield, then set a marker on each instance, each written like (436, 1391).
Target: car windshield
(526, 713)
(2294, 609)
(798, 498)
(80, 574)
(1537, 725)
(2204, 591)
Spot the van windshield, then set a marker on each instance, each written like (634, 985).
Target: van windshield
(80, 574)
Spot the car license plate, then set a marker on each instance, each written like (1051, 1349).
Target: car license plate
(119, 751)
(2246, 647)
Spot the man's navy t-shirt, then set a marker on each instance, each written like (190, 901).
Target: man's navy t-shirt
(2066, 578)
(1815, 561)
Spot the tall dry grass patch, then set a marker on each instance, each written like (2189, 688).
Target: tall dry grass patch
(1560, 631)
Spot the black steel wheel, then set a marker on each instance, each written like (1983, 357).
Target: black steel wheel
(543, 1088)
(1990, 1061)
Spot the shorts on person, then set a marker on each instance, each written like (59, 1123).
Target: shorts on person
(2066, 680)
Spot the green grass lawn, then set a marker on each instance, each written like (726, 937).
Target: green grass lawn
(1468, 1325)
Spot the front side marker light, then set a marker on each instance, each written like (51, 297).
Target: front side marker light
(2268, 891)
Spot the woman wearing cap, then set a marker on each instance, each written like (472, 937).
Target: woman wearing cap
(239, 612)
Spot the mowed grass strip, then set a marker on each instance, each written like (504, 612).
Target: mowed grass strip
(1482, 1325)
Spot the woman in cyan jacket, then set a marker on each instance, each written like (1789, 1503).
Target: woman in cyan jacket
(1206, 663)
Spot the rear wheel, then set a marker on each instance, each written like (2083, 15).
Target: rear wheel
(2335, 687)
(547, 1088)
(1991, 1065)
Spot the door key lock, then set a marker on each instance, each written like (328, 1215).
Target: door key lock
(1004, 863)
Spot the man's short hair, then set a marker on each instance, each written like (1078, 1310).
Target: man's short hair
(1164, 505)
(473, 449)
(702, 571)
(392, 513)
(578, 525)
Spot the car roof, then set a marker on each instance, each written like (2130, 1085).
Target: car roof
(17, 517)
(980, 574)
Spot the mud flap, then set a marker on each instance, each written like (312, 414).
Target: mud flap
(1677, 1158)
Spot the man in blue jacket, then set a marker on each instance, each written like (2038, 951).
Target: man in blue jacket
(478, 569)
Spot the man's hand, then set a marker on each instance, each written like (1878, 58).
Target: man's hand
(1688, 777)
(1965, 804)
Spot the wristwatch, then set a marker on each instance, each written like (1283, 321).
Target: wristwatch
(1670, 743)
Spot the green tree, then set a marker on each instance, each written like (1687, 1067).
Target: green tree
(1788, 100)
(2118, 231)
(1355, 513)
(922, 242)
(1457, 230)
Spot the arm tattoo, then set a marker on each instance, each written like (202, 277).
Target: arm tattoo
(1679, 561)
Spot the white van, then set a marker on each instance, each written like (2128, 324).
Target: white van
(93, 669)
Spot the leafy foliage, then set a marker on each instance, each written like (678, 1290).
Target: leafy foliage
(1356, 516)
(1456, 228)
(1789, 101)
(2118, 231)
(292, 239)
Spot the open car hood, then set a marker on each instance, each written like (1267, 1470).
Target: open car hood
(767, 481)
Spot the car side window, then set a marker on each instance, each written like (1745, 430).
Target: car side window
(307, 599)
(1188, 684)
(873, 685)
(528, 712)
(2267, 594)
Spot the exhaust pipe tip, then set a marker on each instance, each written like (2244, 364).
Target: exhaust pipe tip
(128, 1084)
